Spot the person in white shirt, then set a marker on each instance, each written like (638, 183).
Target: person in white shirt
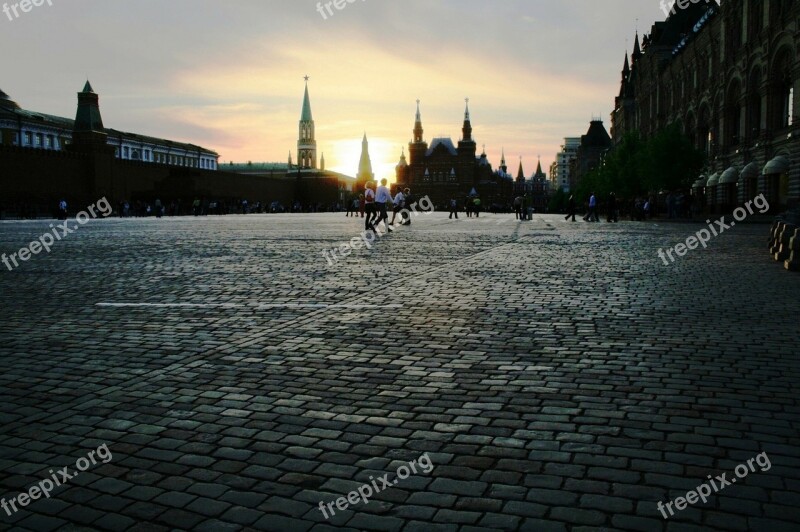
(382, 197)
(399, 205)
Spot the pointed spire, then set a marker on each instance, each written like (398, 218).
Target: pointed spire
(306, 115)
(365, 164)
(467, 129)
(637, 49)
(403, 162)
(503, 157)
(418, 131)
(520, 172)
(88, 118)
(539, 172)
(626, 68)
(322, 162)
(290, 158)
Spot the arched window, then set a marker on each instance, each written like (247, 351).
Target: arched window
(733, 115)
(782, 91)
(755, 19)
(733, 35)
(754, 104)
(778, 11)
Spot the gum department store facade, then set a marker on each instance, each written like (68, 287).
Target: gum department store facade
(728, 74)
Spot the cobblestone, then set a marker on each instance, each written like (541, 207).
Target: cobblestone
(558, 375)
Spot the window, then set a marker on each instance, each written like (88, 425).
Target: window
(755, 19)
(782, 93)
(39, 140)
(49, 142)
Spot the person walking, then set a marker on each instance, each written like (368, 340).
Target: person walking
(571, 209)
(382, 197)
(409, 203)
(399, 205)
(453, 208)
(476, 205)
(518, 207)
(611, 215)
(369, 206)
(592, 215)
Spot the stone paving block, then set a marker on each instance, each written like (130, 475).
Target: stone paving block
(548, 415)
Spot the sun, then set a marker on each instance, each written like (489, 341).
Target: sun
(383, 153)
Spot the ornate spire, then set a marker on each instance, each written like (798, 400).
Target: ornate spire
(306, 114)
(365, 164)
(307, 142)
(418, 131)
(637, 49)
(403, 162)
(467, 129)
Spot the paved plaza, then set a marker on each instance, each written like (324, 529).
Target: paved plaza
(554, 376)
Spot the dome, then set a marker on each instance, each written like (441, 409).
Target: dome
(6, 102)
(750, 171)
(731, 175)
(713, 180)
(778, 165)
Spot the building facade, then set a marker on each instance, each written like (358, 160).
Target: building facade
(444, 170)
(728, 73)
(560, 175)
(35, 130)
(593, 147)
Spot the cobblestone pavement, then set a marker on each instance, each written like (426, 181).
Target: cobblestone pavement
(558, 376)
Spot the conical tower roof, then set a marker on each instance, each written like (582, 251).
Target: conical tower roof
(306, 114)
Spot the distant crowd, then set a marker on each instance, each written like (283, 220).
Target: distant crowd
(674, 205)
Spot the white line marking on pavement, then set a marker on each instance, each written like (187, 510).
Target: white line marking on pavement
(235, 305)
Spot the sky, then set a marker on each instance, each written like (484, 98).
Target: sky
(229, 75)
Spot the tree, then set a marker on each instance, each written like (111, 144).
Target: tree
(635, 167)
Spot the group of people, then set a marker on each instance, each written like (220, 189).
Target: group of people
(472, 205)
(376, 202)
(612, 208)
(523, 210)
